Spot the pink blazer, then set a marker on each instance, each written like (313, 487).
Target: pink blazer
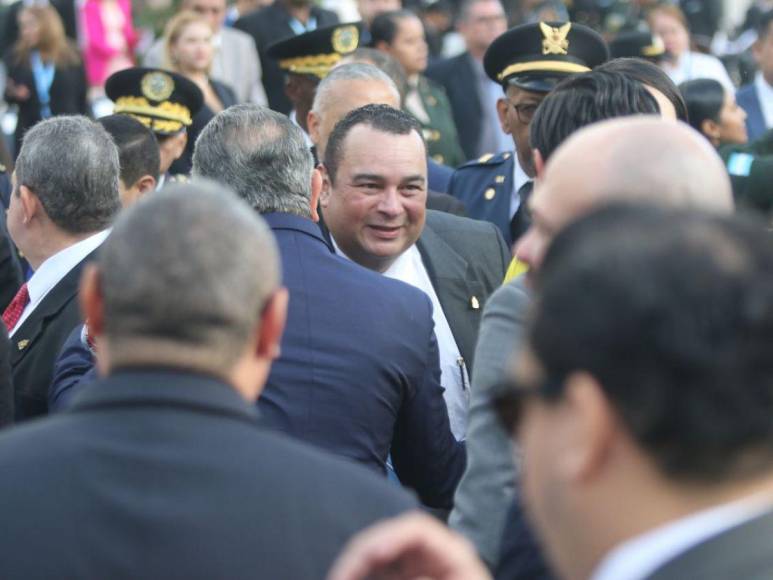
(97, 53)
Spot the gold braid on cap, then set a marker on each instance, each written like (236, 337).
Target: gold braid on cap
(318, 64)
(167, 111)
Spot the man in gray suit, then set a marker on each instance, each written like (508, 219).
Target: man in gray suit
(235, 62)
(373, 200)
(634, 158)
(641, 404)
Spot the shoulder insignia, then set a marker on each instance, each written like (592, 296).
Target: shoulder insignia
(3, 168)
(485, 158)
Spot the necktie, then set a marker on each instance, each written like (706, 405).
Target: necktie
(13, 312)
(520, 222)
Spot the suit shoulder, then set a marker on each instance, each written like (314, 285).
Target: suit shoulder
(444, 66)
(237, 36)
(441, 222)
(487, 162)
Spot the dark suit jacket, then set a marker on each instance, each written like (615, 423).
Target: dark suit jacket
(10, 271)
(6, 383)
(457, 76)
(741, 552)
(37, 342)
(466, 261)
(159, 474)
(267, 26)
(67, 94)
(358, 374)
(749, 101)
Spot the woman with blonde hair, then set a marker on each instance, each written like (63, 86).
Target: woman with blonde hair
(189, 52)
(45, 74)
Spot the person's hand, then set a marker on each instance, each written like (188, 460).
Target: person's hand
(408, 547)
(17, 92)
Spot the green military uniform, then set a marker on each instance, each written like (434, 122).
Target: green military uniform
(440, 132)
(751, 173)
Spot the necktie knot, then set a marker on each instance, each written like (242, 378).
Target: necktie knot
(14, 310)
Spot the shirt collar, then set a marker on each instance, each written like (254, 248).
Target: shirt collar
(639, 557)
(57, 266)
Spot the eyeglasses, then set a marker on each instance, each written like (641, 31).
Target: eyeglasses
(524, 112)
(509, 404)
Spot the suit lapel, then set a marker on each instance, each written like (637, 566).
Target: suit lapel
(60, 296)
(459, 294)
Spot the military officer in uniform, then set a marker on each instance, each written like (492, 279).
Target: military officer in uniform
(163, 101)
(307, 58)
(638, 44)
(527, 61)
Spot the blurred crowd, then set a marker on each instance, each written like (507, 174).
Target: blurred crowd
(462, 289)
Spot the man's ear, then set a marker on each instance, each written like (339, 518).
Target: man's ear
(590, 425)
(711, 130)
(312, 124)
(272, 324)
(324, 196)
(502, 105)
(91, 300)
(382, 46)
(30, 204)
(316, 187)
(146, 184)
(539, 163)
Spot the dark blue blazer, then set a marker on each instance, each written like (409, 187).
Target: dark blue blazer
(457, 75)
(749, 101)
(438, 176)
(157, 473)
(358, 374)
(485, 187)
(73, 370)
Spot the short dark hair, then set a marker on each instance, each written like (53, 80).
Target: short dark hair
(137, 147)
(651, 75)
(704, 99)
(384, 26)
(671, 311)
(583, 99)
(763, 24)
(380, 117)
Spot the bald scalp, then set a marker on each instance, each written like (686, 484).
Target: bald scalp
(643, 159)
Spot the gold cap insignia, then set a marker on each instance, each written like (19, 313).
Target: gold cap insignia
(345, 39)
(474, 303)
(489, 193)
(655, 49)
(157, 86)
(22, 344)
(554, 39)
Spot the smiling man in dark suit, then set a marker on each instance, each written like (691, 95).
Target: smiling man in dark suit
(358, 373)
(373, 201)
(65, 196)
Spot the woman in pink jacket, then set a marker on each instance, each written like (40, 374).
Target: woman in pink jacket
(110, 39)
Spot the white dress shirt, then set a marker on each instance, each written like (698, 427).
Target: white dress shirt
(641, 556)
(694, 65)
(51, 272)
(765, 95)
(520, 178)
(409, 268)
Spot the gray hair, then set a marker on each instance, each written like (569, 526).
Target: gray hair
(261, 155)
(354, 71)
(72, 166)
(185, 276)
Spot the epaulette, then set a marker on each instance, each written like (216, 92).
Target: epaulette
(489, 159)
(178, 178)
(3, 168)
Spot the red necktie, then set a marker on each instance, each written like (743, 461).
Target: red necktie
(13, 312)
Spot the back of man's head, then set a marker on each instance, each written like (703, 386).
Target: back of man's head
(137, 148)
(71, 164)
(671, 312)
(583, 99)
(644, 159)
(184, 278)
(261, 155)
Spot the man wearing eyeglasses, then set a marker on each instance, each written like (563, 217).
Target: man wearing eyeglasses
(527, 61)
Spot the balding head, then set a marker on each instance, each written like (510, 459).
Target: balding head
(634, 158)
(348, 87)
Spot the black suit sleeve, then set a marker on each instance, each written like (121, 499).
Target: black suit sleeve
(6, 383)
(10, 271)
(425, 454)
